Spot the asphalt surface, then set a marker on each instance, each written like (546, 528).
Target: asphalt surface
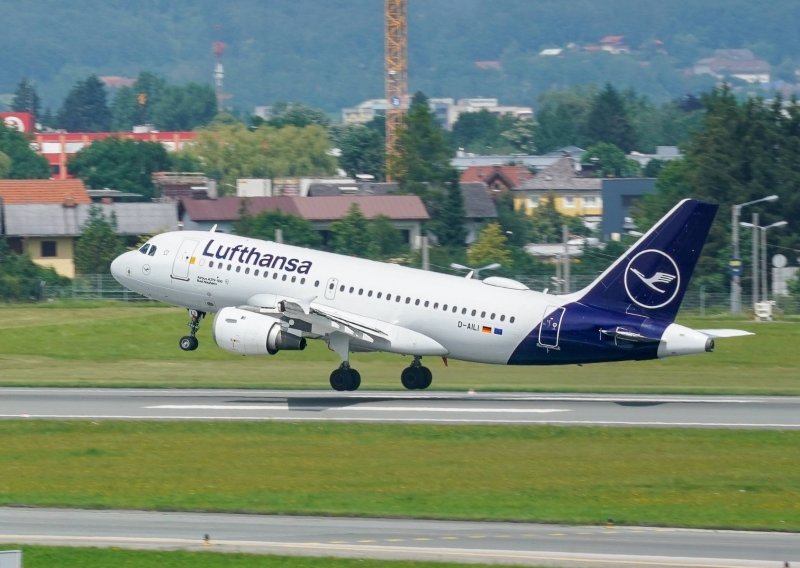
(506, 543)
(782, 413)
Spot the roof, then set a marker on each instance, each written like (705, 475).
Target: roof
(19, 191)
(324, 208)
(510, 176)
(478, 203)
(561, 175)
(51, 220)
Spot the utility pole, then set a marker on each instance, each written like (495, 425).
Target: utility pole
(565, 235)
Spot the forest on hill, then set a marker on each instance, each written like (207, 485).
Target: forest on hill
(329, 53)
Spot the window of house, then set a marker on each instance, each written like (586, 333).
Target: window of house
(569, 201)
(49, 249)
(533, 202)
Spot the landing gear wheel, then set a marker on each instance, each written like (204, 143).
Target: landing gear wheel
(189, 343)
(416, 378)
(345, 379)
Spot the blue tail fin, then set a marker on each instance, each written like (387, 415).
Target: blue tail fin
(651, 277)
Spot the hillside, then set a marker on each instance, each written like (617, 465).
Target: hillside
(329, 53)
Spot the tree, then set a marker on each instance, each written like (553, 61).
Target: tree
(561, 118)
(296, 230)
(21, 278)
(446, 208)
(85, 109)
(491, 246)
(522, 136)
(21, 162)
(482, 132)
(98, 243)
(362, 151)
(297, 114)
(126, 165)
(608, 120)
(610, 161)
(424, 156)
(26, 99)
(351, 234)
(184, 108)
(229, 150)
(386, 241)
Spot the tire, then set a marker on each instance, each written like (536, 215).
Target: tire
(355, 380)
(340, 380)
(188, 343)
(426, 378)
(411, 378)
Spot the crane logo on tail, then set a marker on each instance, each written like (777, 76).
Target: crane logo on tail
(652, 279)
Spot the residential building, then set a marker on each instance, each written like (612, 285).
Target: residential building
(562, 182)
(739, 64)
(498, 179)
(406, 212)
(44, 219)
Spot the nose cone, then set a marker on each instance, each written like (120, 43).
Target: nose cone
(119, 268)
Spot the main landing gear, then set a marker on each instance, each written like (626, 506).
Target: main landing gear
(190, 342)
(345, 378)
(415, 376)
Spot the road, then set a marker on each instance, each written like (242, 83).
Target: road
(422, 407)
(507, 543)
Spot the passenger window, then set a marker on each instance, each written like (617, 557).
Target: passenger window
(352, 288)
(247, 270)
(211, 264)
(229, 268)
(302, 281)
(435, 305)
(341, 288)
(284, 278)
(361, 291)
(463, 311)
(255, 273)
(238, 269)
(503, 317)
(398, 298)
(483, 314)
(274, 275)
(491, 316)
(511, 319)
(379, 295)
(316, 284)
(369, 294)
(266, 274)
(329, 287)
(389, 297)
(474, 312)
(408, 300)
(444, 307)
(416, 303)
(455, 309)
(294, 279)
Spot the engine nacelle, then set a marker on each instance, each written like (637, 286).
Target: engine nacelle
(248, 333)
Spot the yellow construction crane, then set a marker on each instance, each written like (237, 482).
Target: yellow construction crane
(396, 71)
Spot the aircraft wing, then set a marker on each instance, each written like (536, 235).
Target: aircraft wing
(315, 319)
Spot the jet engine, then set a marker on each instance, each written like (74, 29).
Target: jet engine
(249, 333)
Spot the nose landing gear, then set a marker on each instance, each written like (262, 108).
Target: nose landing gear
(190, 342)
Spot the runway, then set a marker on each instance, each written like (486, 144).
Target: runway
(505, 543)
(781, 413)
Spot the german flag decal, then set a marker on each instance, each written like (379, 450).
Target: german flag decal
(486, 329)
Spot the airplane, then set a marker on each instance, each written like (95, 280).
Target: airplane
(269, 297)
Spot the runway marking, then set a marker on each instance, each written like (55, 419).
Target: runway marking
(295, 418)
(340, 548)
(359, 408)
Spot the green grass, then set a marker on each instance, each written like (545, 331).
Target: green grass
(691, 478)
(66, 557)
(108, 344)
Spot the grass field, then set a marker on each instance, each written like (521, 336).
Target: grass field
(63, 557)
(691, 478)
(122, 345)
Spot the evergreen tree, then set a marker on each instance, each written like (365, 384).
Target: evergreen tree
(184, 108)
(424, 156)
(610, 161)
(98, 243)
(26, 99)
(85, 109)
(608, 120)
(386, 241)
(351, 234)
(446, 208)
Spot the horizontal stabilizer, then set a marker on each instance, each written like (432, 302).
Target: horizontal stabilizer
(725, 332)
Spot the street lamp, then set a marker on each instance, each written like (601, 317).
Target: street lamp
(474, 272)
(736, 262)
(763, 256)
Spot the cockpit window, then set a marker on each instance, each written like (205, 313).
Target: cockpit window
(144, 248)
(152, 250)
